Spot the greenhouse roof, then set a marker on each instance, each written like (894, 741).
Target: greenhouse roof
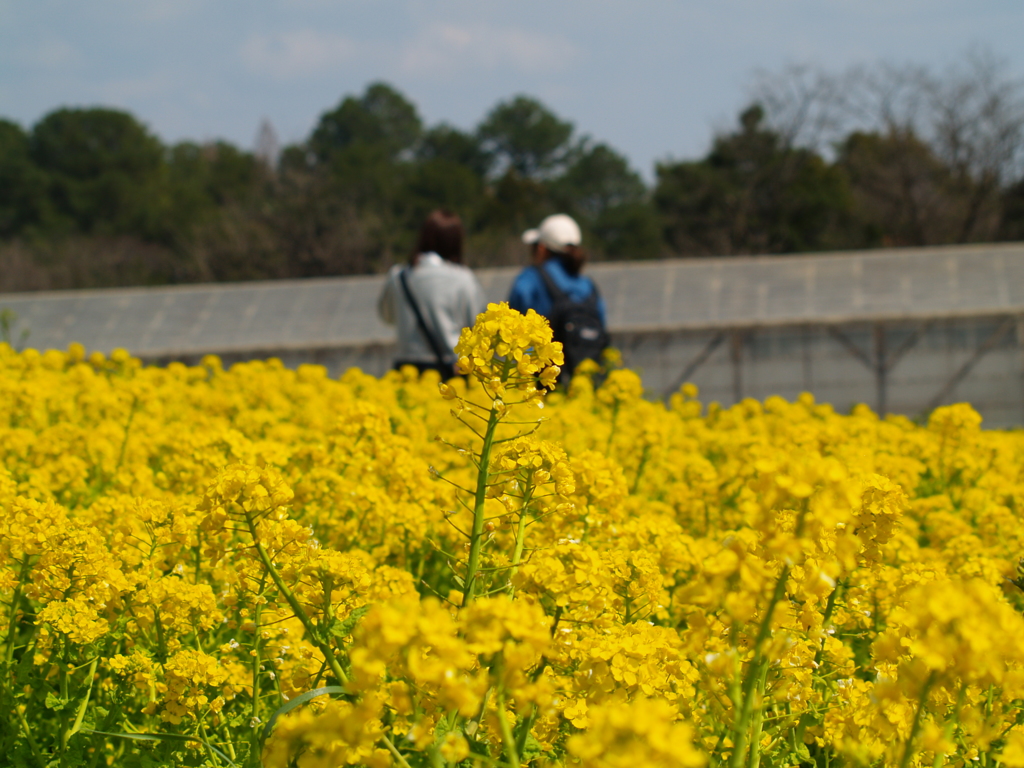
(678, 294)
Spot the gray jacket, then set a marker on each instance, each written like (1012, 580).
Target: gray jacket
(448, 295)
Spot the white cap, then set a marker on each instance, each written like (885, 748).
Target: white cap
(557, 232)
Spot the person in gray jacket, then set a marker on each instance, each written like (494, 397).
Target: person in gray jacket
(432, 298)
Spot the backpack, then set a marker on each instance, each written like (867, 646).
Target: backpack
(577, 324)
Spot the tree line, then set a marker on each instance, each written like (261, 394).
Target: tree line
(869, 157)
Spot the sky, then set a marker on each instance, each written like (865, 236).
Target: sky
(655, 79)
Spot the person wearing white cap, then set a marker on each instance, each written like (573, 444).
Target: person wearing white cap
(553, 286)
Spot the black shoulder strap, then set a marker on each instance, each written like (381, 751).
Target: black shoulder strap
(556, 293)
(435, 344)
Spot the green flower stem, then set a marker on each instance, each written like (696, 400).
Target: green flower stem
(755, 736)
(127, 432)
(517, 554)
(644, 457)
(256, 670)
(922, 702)
(85, 701)
(65, 695)
(476, 539)
(293, 602)
(506, 732)
(754, 672)
(206, 743)
(525, 727)
(394, 751)
(611, 431)
(258, 618)
(826, 620)
(759, 667)
(948, 730)
(256, 665)
(28, 736)
(12, 625)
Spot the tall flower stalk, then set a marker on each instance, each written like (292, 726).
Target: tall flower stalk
(513, 360)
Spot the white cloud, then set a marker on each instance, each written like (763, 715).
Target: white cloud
(299, 53)
(53, 53)
(444, 49)
(131, 89)
(157, 12)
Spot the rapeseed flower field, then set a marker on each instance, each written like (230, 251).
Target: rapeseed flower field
(267, 567)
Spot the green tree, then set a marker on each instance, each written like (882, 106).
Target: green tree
(512, 205)
(444, 142)
(382, 118)
(449, 172)
(525, 136)
(104, 170)
(366, 150)
(1011, 226)
(442, 183)
(610, 200)
(629, 231)
(598, 178)
(203, 179)
(752, 194)
(905, 194)
(24, 203)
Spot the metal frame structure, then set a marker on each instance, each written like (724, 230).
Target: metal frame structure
(892, 341)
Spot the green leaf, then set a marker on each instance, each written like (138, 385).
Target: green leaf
(55, 702)
(158, 737)
(344, 628)
(531, 749)
(298, 701)
(803, 753)
(25, 667)
(76, 755)
(441, 729)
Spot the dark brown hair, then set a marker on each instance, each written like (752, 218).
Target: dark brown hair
(442, 234)
(573, 258)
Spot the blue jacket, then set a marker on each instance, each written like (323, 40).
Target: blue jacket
(529, 291)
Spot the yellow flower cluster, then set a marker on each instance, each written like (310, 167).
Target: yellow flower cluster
(190, 676)
(264, 567)
(506, 347)
(642, 732)
(339, 734)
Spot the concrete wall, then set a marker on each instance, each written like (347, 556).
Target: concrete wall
(923, 357)
(737, 327)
